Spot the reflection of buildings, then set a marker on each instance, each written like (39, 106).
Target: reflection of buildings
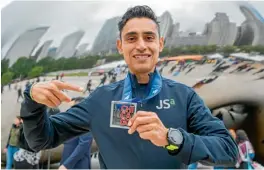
(43, 50)
(68, 45)
(251, 31)
(105, 41)
(81, 49)
(52, 52)
(166, 25)
(25, 44)
(219, 32)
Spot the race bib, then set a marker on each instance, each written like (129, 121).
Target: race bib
(121, 113)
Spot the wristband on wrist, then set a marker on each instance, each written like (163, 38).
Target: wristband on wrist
(30, 92)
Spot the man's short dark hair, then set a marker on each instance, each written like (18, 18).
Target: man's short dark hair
(139, 11)
(77, 99)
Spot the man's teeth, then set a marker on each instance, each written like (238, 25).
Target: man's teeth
(141, 56)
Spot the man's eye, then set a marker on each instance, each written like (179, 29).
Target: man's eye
(149, 38)
(131, 38)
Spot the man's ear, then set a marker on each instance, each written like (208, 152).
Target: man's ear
(119, 46)
(161, 43)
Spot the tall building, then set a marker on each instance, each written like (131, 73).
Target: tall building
(251, 31)
(68, 45)
(175, 30)
(166, 24)
(105, 41)
(221, 31)
(43, 50)
(81, 49)
(52, 52)
(25, 44)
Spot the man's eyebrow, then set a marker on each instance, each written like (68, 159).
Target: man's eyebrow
(149, 32)
(146, 32)
(130, 33)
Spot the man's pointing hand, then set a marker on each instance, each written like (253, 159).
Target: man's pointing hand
(50, 93)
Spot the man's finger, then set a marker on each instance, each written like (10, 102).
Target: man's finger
(147, 135)
(141, 121)
(67, 86)
(49, 103)
(52, 97)
(138, 114)
(145, 128)
(59, 94)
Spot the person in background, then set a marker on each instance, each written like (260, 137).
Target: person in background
(12, 142)
(77, 151)
(61, 76)
(38, 79)
(113, 80)
(88, 86)
(25, 157)
(246, 151)
(9, 86)
(117, 70)
(103, 80)
(19, 94)
(27, 84)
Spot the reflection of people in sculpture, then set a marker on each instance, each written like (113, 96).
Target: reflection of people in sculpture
(204, 81)
(172, 68)
(240, 68)
(246, 151)
(190, 70)
(261, 70)
(161, 134)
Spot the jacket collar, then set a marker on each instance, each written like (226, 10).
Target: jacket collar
(155, 84)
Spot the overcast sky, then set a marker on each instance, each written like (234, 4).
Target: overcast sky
(65, 17)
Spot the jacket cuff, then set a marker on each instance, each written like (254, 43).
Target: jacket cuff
(29, 106)
(68, 165)
(185, 151)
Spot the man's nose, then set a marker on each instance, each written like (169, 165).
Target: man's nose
(141, 45)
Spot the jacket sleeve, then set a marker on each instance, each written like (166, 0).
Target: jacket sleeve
(7, 143)
(208, 141)
(44, 132)
(84, 146)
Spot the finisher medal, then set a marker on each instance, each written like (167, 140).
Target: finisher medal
(121, 113)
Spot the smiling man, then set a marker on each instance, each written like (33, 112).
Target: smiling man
(171, 129)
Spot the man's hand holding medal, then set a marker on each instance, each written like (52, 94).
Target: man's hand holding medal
(147, 124)
(149, 127)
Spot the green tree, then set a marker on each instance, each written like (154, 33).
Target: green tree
(165, 52)
(47, 63)
(7, 77)
(4, 66)
(228, 50)
(22, 66)
(113, 57)
(259, 48)
(35, 72)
